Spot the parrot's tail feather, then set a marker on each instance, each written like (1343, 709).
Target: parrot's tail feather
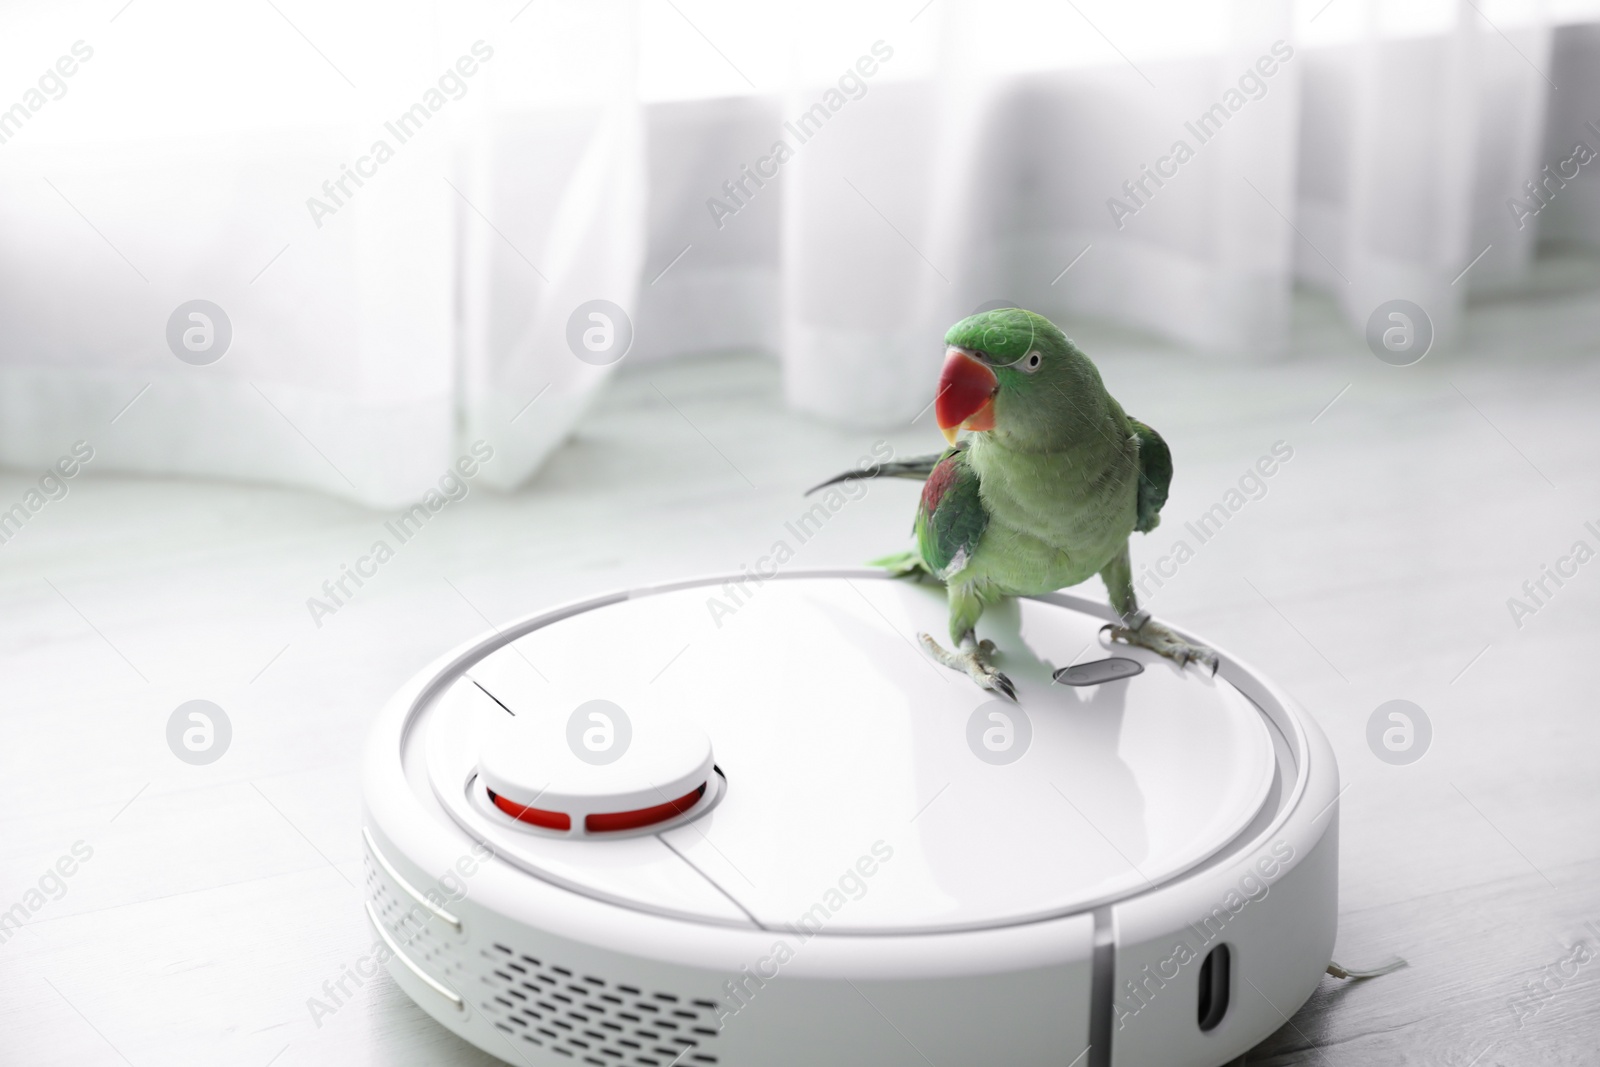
(917, 468)
(902, 564)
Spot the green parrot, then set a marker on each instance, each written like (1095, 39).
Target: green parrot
(1043, 493)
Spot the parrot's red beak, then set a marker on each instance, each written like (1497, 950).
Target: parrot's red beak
(966, 395)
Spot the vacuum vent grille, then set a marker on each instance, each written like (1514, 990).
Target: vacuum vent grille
(590, 1020)
(426, 940)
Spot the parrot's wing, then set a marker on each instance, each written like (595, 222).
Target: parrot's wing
(918, 467)
(1155, 476)
(951, 517)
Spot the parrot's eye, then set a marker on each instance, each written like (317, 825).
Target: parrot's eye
(1030, 362)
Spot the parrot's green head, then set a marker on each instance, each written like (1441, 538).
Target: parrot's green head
(1015, 373)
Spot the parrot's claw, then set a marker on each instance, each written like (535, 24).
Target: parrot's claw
(1162, 641)
(972, 660)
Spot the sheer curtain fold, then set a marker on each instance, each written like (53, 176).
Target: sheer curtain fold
(562, 236)
(330, 379)
(1437, 134)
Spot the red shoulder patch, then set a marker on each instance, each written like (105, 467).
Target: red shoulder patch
(938, 483)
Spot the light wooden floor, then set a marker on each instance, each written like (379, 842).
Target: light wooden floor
(218, 899)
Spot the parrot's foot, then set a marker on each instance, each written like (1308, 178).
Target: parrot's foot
(972, 660)
(1146, 633)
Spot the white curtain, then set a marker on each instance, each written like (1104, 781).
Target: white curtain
(833, 183)
(380, 325)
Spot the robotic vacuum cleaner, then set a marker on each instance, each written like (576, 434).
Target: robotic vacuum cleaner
(735, 821)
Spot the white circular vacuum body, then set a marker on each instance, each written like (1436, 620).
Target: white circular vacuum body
(734, 821)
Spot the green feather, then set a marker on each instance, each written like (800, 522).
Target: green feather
(1155, 476)
(951, 517)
